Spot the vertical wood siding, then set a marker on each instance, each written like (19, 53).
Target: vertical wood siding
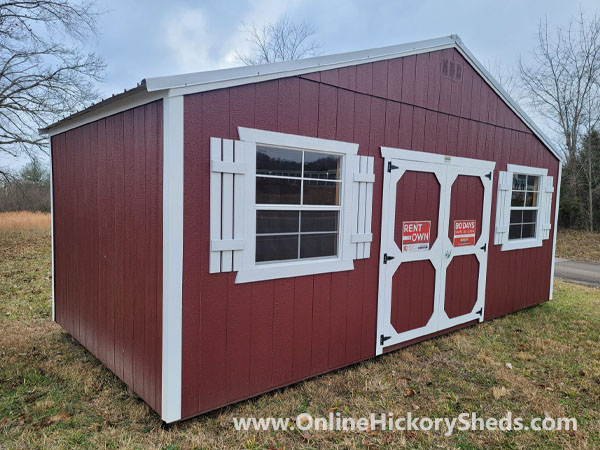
(108, 242)
(241, 340)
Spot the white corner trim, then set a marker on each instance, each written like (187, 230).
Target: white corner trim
(296, 141)
(52, 231)
(526, 170)
(412, 155)
(555, 229)
(172, 258)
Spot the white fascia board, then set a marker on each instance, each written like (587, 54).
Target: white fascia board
(120, 103)
(512, 104)
(251, 74)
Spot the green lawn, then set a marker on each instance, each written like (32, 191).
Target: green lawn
(53, 393)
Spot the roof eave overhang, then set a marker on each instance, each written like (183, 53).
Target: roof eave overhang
(217, 79)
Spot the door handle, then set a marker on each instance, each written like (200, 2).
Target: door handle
(448, 254)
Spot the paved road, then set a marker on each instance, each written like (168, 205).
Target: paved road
(577, 272)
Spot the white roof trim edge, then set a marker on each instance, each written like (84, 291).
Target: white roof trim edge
(217, 79)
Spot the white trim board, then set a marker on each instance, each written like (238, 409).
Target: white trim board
(296, 141)
(555, 230)
(218, 79)
(52, 232)
(172, 258)
(436, 158)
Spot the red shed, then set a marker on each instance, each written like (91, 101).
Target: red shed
(218, 235)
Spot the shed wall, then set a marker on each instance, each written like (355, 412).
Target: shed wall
(241, 340)
(107, 187)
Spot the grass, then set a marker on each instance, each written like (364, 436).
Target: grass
(578, 245)
(53, 393)
(24, 220)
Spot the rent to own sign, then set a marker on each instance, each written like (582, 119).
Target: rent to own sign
(415, 235)
(464, 232)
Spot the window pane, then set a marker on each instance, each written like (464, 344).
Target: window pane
(532, 183)
(528, 231)
(321, 192)
(315, 245)
(514, 232)
(276, 221)
(531, 199)
(529, 216)
(319, 221)
(516, 216)
(321, 165)
(518, 199)
(277, 191)
(519, 182)
(276, 248)
(278, 161)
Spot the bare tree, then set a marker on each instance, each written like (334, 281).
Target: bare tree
(504, 75)
(44, 71)
(284, 40)
(561, 82)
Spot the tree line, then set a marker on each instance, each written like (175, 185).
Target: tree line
(26, 190)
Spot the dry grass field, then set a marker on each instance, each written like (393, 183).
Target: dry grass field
(537, 362)
(24, 220)
(578, 245)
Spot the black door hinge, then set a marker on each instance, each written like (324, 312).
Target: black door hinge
(391, 166)
(479, 312)
(387, 258)
(484, 248)
(383, 338)
(489, 176)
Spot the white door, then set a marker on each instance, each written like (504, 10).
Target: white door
(434, 238)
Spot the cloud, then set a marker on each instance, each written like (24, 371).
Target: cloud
(199, 39)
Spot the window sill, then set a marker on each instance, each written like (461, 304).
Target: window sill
(288, 270)
(519, 244)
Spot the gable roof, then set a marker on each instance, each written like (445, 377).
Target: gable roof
(153, 88)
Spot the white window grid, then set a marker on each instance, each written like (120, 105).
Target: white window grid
(301, 206)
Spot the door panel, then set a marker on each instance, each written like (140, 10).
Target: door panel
(412, 295)
(461, 285)
(423, 290)
(417, 198)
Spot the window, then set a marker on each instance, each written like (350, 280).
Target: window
(298, 200)
(524, 205)
(284, 205)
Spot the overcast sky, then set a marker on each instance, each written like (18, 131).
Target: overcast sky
(156, 37)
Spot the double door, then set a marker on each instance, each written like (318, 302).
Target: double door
(434, 244)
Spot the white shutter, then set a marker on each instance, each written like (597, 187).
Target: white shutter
(503, 207)
(547, 190)
(227, 202)
(362, 204)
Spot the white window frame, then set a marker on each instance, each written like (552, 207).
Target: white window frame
(517, 244)
(252, 271)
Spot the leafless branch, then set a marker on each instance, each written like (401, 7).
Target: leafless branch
(284, 40)
(45, 73)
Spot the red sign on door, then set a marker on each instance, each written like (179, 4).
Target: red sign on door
(415, 236)
(464, 232)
